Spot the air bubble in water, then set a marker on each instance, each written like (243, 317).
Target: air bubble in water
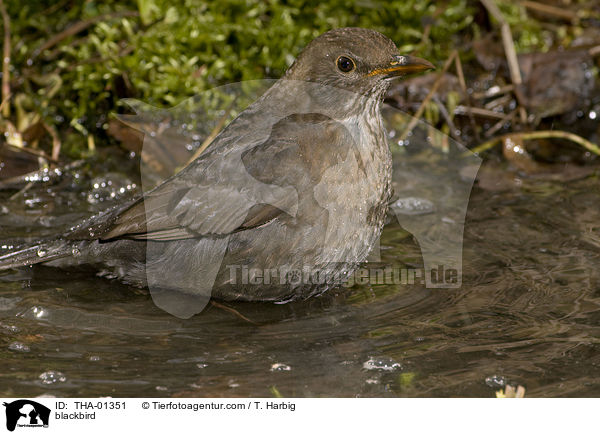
(381, 364)
(413, 206)
(52, 377)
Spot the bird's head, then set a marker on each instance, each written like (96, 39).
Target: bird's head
(354, 59)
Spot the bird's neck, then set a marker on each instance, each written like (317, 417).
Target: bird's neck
(334, 102)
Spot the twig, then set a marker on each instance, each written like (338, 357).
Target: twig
(424, 38)
(21, 191)
(214, 133)
(447, 118)
(501, 100)
(233, 311)
(56, 6)
(55, 140)
(4, 101)
(553, 134)
(477, 111)
(430, 21)
(436, 84)
(31, 151)
(507, 41)
(58, 51)
(91, 143)
(463, 86)
(509, 51)
(80, 26)
(552, 10)
(483, 147)
(5, 61)
(494, 128)
(494, 91)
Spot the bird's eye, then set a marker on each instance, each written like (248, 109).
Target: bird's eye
(345, 64)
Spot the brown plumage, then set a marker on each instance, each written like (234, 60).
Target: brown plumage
(299, 180)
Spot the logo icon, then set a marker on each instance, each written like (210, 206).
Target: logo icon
(26, 413)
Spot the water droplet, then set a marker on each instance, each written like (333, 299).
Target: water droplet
(52, 377)
(75, 251)
(413, 206)
(495, 381)
(11, 328)
(280, 367)
(19, 346)
(108, 187)
(381, 364)
(38, 312)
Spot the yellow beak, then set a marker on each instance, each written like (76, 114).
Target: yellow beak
(403, 65)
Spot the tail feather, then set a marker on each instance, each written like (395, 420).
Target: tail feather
(34, 255)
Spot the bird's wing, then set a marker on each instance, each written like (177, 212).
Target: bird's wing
(180, 211)
(233, 192)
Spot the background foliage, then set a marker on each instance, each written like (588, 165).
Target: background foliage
(163, 51)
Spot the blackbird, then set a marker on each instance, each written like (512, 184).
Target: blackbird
(285, 203)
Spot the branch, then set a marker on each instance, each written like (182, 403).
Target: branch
(436, 84)
(80, 26)
(5, 62)
(509, 51)
(592, 147)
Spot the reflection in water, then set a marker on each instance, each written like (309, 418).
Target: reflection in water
(528, 312)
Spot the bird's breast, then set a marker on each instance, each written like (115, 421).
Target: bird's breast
(355, 192)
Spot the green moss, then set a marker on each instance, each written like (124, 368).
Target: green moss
(406, 379)
(178, 48)
(174, 49)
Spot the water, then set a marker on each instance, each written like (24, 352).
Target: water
(528, 313)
